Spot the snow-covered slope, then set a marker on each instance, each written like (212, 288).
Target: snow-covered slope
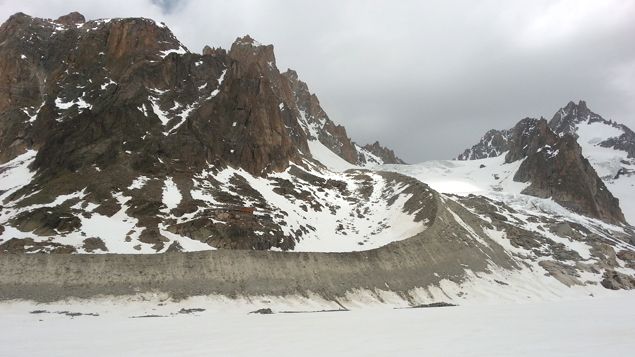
(614, 165)
(465, 177)
(310, 208)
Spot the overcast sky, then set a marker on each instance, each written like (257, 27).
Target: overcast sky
(426, 78)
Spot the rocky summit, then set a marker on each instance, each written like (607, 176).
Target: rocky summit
(555, 168)
(116, 138)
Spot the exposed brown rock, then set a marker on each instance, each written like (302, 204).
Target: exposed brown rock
(213, 51)
(72, 18)
(529, 136)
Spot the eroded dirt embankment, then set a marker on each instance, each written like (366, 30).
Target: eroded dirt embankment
(439, 252)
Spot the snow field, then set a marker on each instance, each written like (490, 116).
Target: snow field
(582, 327)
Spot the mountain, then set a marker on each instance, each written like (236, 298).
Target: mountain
(492, 144)
(377, 154)
(126, 134)
(608, 146)
(115, 138)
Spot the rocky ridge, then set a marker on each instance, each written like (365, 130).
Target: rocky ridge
(377, 154)
(555, 168)
(320, 127)
(553, 163)
(568, 119)
(493, 143)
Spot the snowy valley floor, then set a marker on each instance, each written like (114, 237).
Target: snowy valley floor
(591, 326)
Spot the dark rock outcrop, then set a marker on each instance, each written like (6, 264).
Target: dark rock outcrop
(528, 137)
(86, 92)
(386, 155)
(213, 51)
(553, 162)
(493, 143)
(555, 167)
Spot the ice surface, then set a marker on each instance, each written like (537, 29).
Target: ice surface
(581, 327)
(465, 177)
(606, 161)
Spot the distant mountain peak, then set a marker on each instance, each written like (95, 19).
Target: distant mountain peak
(553, 163)
(385, 155)
(567, 117)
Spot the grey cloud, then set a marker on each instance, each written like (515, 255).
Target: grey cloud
(425, 78)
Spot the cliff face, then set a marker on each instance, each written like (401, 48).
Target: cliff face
(553, 165)
(131, 86)
(556, 168)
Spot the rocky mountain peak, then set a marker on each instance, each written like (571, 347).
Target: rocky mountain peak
(573, 107)
(386, 155)
(249, 51)
(72, 18)
(317, 124)
(552, 161)
(493, 143)
(555, 167)
(568, 117)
